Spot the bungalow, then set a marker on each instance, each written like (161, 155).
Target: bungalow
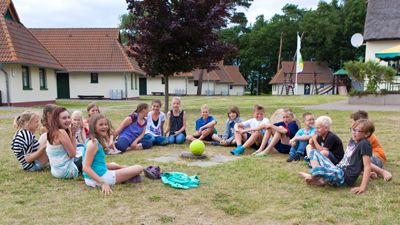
(27, 68)
(225, 80)
(316, 78)
(382, 32)
(95, 62)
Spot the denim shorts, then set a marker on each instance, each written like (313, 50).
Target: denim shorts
(377, 161)
(37, 165)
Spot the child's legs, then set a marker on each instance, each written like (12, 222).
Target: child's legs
(207, 134)
(323, 167)
(333, 158)
(146, 143)
(160, 140)
(239, 137)
(274, 141)
(180, 138)
(122, 144)
(215, 137)
(293, 150)
(254, 137)
(149, 137)
(126, 173)
(171, 139)
(265, 139)
(301, 147)
(387, 176)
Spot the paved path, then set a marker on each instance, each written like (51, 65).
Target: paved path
(344, 105)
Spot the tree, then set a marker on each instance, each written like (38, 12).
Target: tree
(172, 36)
(372, 70)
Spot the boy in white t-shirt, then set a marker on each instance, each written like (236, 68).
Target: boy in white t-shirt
(244, 132)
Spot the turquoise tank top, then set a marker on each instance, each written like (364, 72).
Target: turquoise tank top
(99, 163)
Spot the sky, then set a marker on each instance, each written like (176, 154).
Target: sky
(106, 13)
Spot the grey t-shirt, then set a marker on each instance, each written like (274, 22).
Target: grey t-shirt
(352, 162)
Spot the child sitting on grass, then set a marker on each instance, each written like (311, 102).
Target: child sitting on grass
(91, 109)
(300, 141)
(228, 138)
(357, 159)
(205, 127)
(176, 123)
(378, 157)
(281, 133)
(96, 171)
(25, 145)
(132, 129)
(77, 120)
(155, 125)
(248, 133)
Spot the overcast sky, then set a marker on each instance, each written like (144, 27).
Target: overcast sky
(106, 13)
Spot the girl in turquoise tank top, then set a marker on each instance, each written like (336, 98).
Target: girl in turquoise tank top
(96, 171)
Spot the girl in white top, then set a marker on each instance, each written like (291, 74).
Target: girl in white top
(155, 125)
(77, 120)
(61, 146)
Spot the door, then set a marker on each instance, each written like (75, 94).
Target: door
(63, 85)
(307, 89)
(142, 86)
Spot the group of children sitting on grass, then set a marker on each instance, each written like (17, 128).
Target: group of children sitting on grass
(72, 144)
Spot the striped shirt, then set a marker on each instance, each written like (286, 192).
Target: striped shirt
(24, 143)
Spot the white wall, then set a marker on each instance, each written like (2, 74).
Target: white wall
(192, 90)
(18, 95)
(3, 88)
(220, 88)
(79, 84)
(176, 84)
(373, 47)
(237, 90)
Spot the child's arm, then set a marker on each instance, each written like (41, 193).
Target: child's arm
(279, 129)
(208, 125)
(91, 150)
(367, 170)
(162, 128)
(226, 132)
(136, 141)
(68, 143)
(260, 127)
(122, 125)
(82, 135)
(183, 124)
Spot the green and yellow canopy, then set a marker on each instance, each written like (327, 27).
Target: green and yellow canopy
(389, 54)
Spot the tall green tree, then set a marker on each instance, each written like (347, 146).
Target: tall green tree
(172, 36)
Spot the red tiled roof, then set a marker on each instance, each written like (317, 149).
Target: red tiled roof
(133, 61)
(86, 49)
(235, 75)
(324, 74)
(18, 45)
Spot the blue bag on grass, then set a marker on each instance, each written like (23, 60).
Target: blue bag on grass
(180, 180)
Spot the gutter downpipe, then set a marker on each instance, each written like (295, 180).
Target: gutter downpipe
(7, 84)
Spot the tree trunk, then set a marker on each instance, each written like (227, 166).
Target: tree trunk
(200, 83)
(166, 93)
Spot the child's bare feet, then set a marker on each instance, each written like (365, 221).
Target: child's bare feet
(373, 175)
(387, 176)
(307, 177)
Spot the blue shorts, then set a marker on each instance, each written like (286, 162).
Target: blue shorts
(282, 148)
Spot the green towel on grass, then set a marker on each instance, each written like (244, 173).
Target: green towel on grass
(180, 180)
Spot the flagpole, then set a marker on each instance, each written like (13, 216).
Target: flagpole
(297, 52)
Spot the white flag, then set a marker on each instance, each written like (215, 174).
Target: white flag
(299, 59)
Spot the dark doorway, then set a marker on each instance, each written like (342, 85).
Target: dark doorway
(307, 88)
(63, 85)
(142, 86)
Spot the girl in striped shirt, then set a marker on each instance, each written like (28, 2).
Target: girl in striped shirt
(25, 145)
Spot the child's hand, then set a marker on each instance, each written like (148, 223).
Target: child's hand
(222, 142)
(105, 188)
(358, 190)
(292, 142)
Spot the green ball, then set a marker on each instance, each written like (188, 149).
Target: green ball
(197, 147)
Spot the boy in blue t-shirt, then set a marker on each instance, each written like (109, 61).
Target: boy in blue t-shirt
(300, 141)
(205, 127)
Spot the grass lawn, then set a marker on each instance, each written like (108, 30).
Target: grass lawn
(245, 191)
